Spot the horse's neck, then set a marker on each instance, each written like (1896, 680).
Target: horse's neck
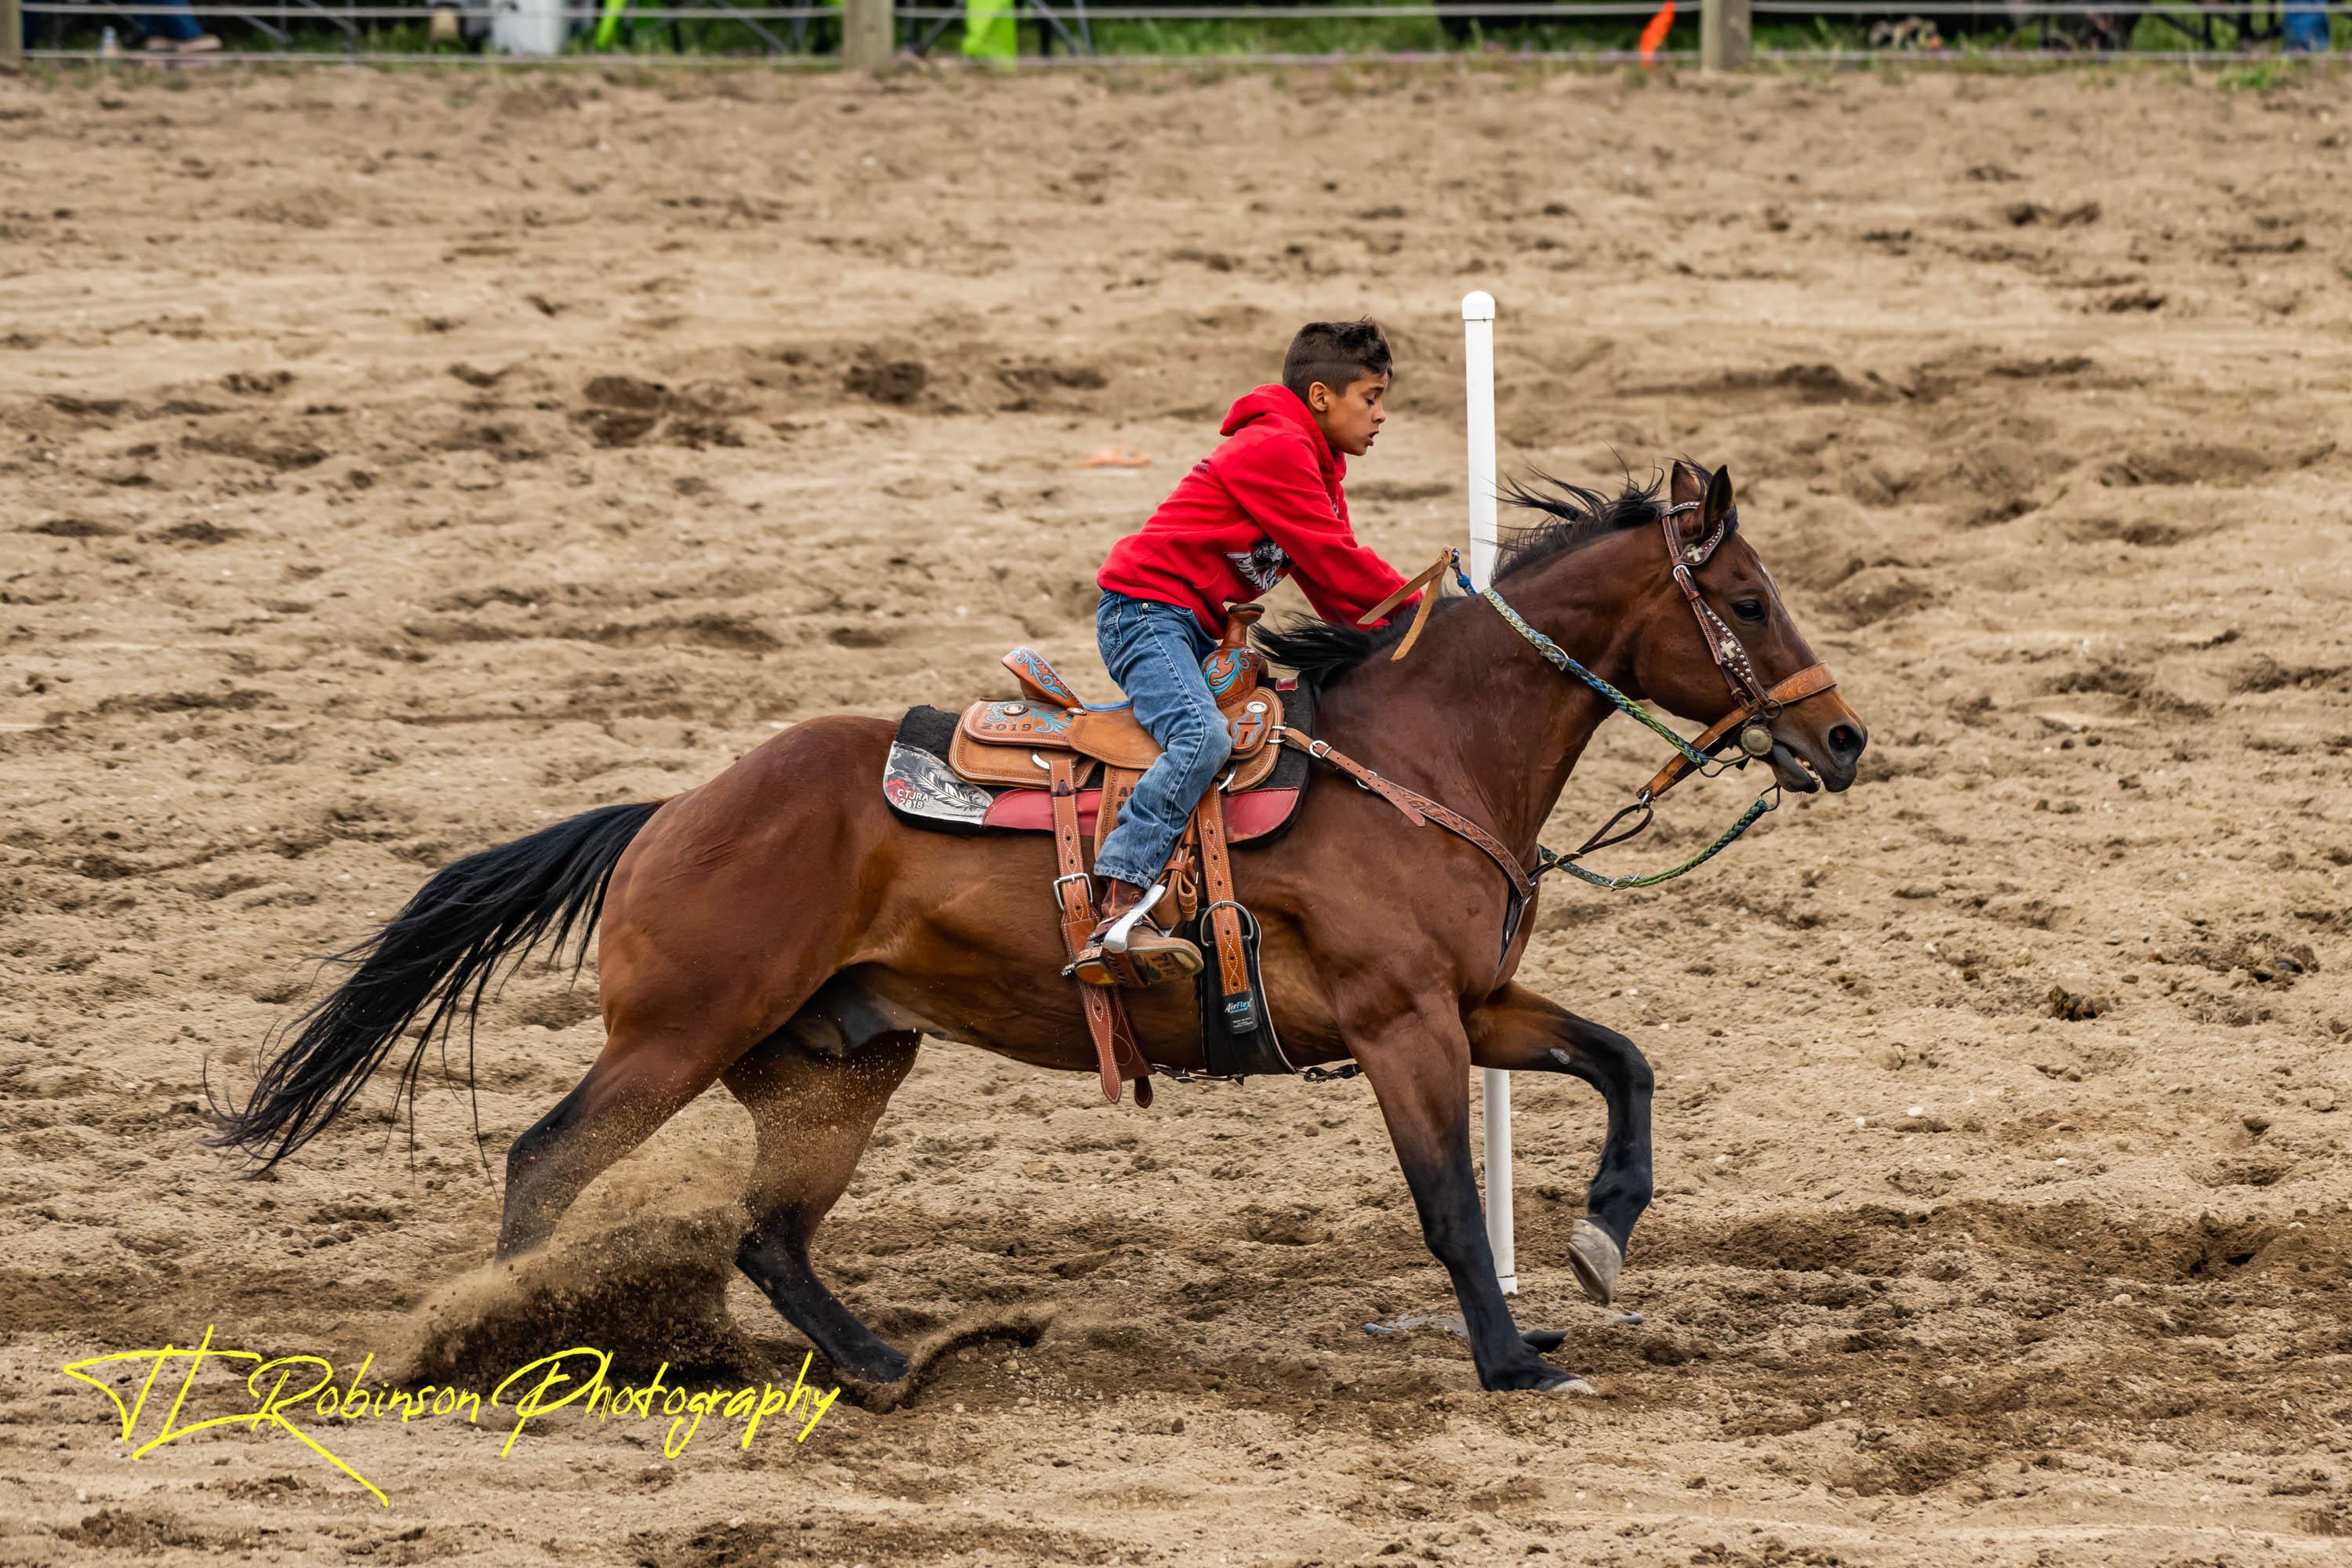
(1474, 717)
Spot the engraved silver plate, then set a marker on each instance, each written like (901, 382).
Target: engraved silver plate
(919, 784)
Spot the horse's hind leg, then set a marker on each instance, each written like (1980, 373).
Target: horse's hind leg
(1522, 1032)
(640, 1079)
(813, 1114)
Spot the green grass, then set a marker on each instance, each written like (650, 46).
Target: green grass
(2261, 77)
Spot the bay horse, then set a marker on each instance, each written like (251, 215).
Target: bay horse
(779, 930)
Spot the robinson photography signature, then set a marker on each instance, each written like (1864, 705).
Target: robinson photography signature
(299, 1396)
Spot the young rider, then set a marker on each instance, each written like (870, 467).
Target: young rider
(1264, 505)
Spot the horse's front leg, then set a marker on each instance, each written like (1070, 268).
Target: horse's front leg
(1522, 1032)
(1418, 1062)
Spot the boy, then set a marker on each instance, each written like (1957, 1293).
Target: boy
(1264, 505)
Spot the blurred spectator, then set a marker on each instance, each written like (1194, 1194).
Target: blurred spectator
(173, 29)
(451, 27)
(2304, 26)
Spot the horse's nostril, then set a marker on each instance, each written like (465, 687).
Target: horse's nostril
(1846, 741)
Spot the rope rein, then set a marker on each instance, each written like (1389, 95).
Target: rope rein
(1559, 659)
(1705, 766)
(1758, 706)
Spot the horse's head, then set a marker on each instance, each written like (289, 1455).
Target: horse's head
(1814, 737)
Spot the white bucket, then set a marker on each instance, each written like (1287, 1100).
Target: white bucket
(529, 26)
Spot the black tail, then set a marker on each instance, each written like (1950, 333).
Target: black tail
(447, 942)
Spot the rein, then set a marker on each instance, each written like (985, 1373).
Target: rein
(1758, 706)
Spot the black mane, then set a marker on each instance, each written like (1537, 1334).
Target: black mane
(1572, 517)
(1323, 651)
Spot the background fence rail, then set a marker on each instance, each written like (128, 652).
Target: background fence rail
(867, 34)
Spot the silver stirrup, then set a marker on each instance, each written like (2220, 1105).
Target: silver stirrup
(1115, 938)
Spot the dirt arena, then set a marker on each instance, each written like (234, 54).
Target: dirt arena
(393, 465)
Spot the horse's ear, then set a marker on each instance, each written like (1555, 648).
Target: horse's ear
(1689, 484)
(1693, 489)
(1718, 503)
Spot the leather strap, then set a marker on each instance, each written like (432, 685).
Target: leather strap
(1217, 883)
(1730, 655)
(1423, 582)
(1419, 809)
(1396, 795)
(1809, 681)
(1183, 883)
(1074, 897)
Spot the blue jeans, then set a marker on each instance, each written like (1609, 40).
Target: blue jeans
(2306, 27)
(1154, 652)
(176, 23)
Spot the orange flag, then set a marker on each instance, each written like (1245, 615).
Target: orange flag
(1655, 32)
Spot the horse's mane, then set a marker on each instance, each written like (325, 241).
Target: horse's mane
(1570, 516)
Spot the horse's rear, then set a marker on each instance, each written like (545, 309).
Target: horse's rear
(733, 906)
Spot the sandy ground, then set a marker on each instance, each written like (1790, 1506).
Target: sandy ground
(390, 466)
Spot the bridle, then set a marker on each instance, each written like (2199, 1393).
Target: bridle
(1756, 705)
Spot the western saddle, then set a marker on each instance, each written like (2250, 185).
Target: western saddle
(1049, 740)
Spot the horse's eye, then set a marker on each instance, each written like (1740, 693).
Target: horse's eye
(1748, 609)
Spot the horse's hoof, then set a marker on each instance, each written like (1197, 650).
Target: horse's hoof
(1533, 1375)
(888, 1366)
(1552, 1380)
(1596, 1259)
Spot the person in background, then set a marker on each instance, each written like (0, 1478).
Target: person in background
(449, 27)
(173, 31)
(2304, 26)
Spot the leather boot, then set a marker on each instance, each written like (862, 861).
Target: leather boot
(1127, 947)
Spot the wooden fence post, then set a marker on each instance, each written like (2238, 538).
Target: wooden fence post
(868, 34)
(1723, 35)
(12, 32)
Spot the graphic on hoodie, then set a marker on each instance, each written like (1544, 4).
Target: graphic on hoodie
(1263, 567)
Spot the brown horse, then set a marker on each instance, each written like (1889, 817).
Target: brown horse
(779, 930)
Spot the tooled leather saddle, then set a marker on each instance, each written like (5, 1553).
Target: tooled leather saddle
(1046, 761)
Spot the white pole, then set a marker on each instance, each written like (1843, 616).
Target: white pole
(1478, 379)
(1478, 383)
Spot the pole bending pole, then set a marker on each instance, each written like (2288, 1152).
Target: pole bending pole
(1478, 385)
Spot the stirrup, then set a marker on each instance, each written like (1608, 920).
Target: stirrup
(1122, 930)
(1112, 958)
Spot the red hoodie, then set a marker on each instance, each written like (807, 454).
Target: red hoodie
(1264, 505)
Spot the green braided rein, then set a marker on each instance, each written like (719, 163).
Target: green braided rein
(1707, 766)
(1548, 861)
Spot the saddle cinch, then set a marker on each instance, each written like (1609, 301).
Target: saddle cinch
(1048, 761)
